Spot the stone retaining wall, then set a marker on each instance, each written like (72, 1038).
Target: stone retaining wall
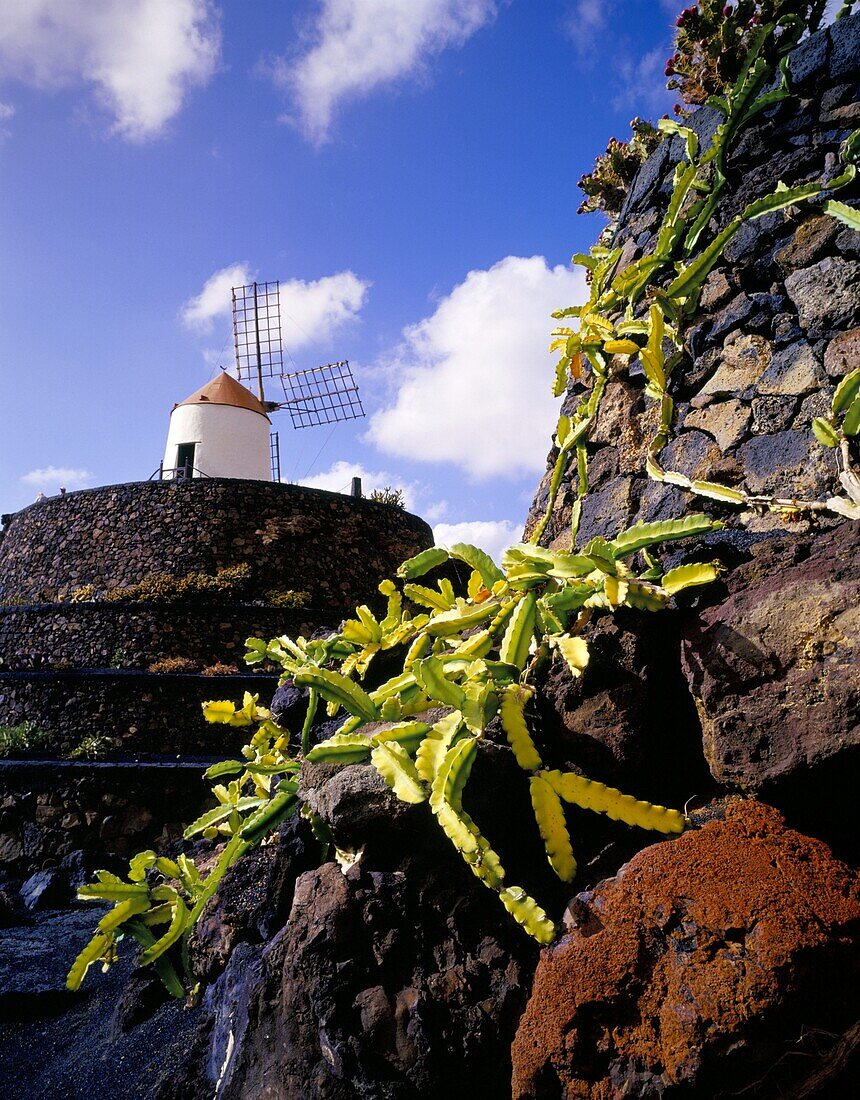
(778, 324)
(103, 635)
(134, 711)
(51, 809)
(335, 547)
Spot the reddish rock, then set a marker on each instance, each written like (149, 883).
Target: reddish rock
(810, 239)
(697, 969)
(627, 421)
(843, 353)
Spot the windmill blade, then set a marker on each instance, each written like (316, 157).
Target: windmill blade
(257, 333)
(321, 395)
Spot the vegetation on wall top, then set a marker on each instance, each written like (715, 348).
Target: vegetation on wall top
(713, 38)
(606, 185)
(712, 42)
(229, 583)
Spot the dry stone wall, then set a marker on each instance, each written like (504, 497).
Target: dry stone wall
(768, 656)
(778, 326)
(333, 547)
(329, 545)
(101, 635)
(126, 711)
(71, 814)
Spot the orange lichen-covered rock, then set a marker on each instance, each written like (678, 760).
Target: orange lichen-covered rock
(696, 968)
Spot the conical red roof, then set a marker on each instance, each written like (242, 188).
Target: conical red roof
(225, 390)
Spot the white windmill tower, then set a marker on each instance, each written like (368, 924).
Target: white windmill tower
(224, 429)
(221, 430)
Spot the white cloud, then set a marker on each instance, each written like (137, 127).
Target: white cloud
(215, 299)
(52, 477)
(338, 479)
(311, 311)
(637, 80)
(590, 14)
(7, 111)
(492, 536)
(141, 56)
(358, 45)
(585, 20)
(472, 382)
(436, 510)
(642, 83)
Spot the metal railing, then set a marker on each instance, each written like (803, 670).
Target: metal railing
(176, 473)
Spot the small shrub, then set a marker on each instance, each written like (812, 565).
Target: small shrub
(389, 495)
(119, 658)
(26, 737)
(85, 594)
(167, 588)
(92, 747)
(606, 186)
(232, 576)
(288, 598)
(174, 664)
(220, 669)
(276, 528)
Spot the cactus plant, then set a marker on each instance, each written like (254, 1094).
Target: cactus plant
(475, 652)
(613, 327)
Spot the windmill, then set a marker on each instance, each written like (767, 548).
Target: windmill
(319, 395)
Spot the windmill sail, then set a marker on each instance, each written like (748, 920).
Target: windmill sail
(319, 395)
(257, 333)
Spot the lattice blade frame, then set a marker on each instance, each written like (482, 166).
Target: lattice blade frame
(322, 395)
(257, 331)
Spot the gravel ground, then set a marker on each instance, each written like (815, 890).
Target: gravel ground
(56, 1045)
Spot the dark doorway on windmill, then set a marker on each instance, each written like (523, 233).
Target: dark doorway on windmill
(185, 460)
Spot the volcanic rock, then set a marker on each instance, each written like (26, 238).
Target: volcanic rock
(697, 970)
(253, 899)
(773, 670)
(384, 985)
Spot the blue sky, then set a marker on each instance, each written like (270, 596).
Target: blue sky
(407, 168)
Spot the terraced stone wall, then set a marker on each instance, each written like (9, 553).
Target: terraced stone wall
(77, 669)
(74, 814)
(126, 711)
(133, 636)
(329, 545)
